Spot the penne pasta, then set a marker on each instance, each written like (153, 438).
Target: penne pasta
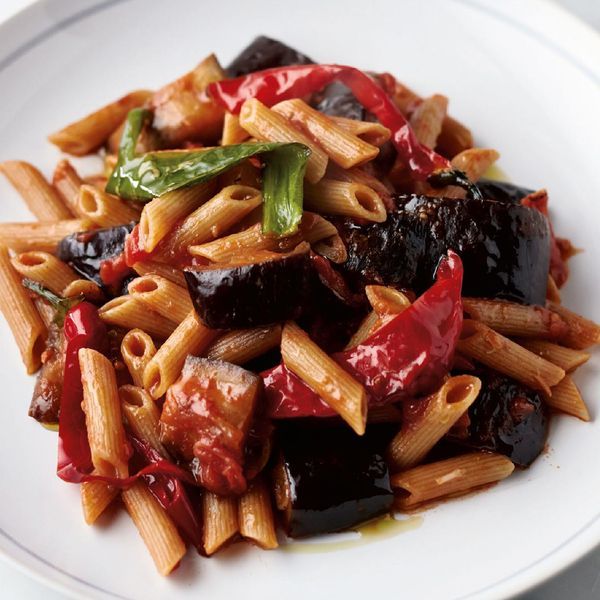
(566, 358)
(342, 147)
(44, 236)
(103, 209)
(346, 199)
(483, 344)
(137, 349)
(385, 300)
(142, 416)
(427, 119)
(368, 326)
(27, 327)
(102, 407)
(567, 399)
(265, 124)
(162, 214)
(41, 198)
(67, 182)
(233, 132)
(162, 296)
(318, 370)
(388, 413)
(130, 313)
(454, 138)
(86, 135)
(239, 347)
(255, 516)
(46, 269)
(225, 248)
(582, 333)
(371, 132)
(432, 420)
(190, 337)
(220, 517)
(475, 161)
(83, 287)
(150, 267)
(155, 527)
(96, 497)
(520, 320)
(449, 477)
(553, 292)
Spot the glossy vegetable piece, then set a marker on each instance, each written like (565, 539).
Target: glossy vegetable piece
(502, 191)
(265, 53)
(206, 417)
(505, 248)
(338, 101)
(506, 417)
(330, 479)
(269, 288)
(407, 357)
(86, 252)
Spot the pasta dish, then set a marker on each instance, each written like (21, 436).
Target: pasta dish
(291, 301)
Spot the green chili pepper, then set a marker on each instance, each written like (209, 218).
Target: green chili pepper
(153, 174)
(61, 305)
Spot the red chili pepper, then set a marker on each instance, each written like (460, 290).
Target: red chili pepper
(275, 85)
(406, 358)
(114, 270)
(134, 248)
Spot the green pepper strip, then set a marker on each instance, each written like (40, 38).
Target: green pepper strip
(61, 305)
(153, 174)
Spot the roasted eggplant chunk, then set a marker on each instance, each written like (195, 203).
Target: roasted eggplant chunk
(269, 288)
(505, 248)
(506, 417)
(329, 479)
(265, 53)
(502, 191)
(337, 100)
(85, 252)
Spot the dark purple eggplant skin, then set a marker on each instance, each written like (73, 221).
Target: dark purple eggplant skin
(250, 295)
(337, 100)
(505, 248)
(265, 53)
(337, 479)
(502, 191)
(507, 417)
(86, 251)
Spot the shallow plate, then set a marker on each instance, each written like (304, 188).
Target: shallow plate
(525, 77)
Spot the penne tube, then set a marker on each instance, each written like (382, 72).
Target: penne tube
(83, 287)
(552, 292)
(582, 333)
(566, 358)
(342, 147)
(427, 119)
(368, 326)
(162, 214)
(96, 497)
(86, 135)
(332, 248)
(128, 312)
(242, 345)
(44, 236)
(346, 199)
(567, 399)
(220, 517)
(162, 296)
(27, 327)
(46, 269)
(102, 407)
(317, 369)
(137, 349)
(265, 124)
(104, 209)
(212, 219)
(360, 176)
(150, 267)
(155, 527)
(372, 132)
(190, 337)
(434, 417)
(233, 132)
(41, 198)
(483, 344)
(255, 516)
(475, 161)
(516, 320)
(67, 182)
(454, 137)
(388, 413)
(246, 173)
(225, 248)
(386, 300)
(449, 477)
(142, 416)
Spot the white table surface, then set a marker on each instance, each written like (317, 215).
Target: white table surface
(580, 582)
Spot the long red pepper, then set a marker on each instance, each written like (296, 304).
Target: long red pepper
(406, 358)
(275, 85)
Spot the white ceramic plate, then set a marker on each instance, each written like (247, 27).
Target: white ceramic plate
(523, 75)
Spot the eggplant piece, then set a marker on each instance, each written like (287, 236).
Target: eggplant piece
(265, 53)
(506, 417)
(337, 100)
(329, 479)
(85, 252)
(502, 191)
(276, 287)
(505, 248)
